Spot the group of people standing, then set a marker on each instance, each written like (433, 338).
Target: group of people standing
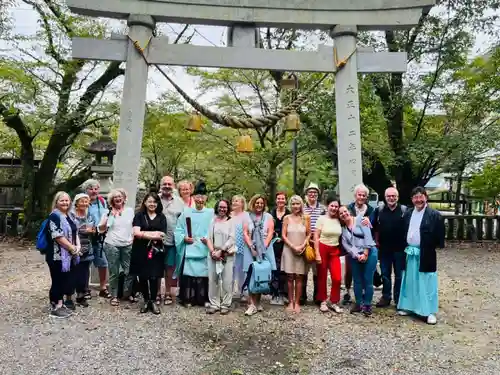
(205, 255)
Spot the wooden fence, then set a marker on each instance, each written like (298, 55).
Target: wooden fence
(474, 228)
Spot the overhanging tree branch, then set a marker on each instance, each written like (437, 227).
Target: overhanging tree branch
(179, 36)
(73, 182)
(51, 49)
(12, 119)
(435, 77)
(60, 17)
(112, 71)
(414, 34)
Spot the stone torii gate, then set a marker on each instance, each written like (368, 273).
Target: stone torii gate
(342, 18)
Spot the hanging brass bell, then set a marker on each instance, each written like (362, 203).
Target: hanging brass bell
(245, 144)
(194, 123)
(292, 122)
(289, 83)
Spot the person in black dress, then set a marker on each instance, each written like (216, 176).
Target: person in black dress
(147, 259)
(279, 289)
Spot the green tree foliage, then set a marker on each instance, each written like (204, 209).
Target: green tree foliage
(472, 118)
(486, 183)
(257, 93)
(48, 99)
(48, 103)
(473, 110)
(168, 149)
(411, 122)
(247, 93)
(440, 44)
(5, 23)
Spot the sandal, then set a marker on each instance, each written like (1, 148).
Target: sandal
(324, 307)
(132, 299)
(114, 302)
(158, 299)
(168, 300)
(105, 293)
(87, 295)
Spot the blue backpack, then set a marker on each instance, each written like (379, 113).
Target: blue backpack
(43, 242)
(260, 277)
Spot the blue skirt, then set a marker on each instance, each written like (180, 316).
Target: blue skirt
(419, 290)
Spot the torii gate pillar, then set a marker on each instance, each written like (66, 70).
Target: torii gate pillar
(128, 149)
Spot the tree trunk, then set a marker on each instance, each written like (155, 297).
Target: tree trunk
(377, 179)
(37, 204)
(405, 183)
(272, 184)
(39, 187)
(29, 174)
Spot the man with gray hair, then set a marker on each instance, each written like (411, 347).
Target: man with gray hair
(172, 209)
(97, 208)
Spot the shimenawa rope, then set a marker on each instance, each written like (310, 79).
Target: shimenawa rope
(238, 122)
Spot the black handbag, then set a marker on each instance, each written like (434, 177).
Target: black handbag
(377, 279)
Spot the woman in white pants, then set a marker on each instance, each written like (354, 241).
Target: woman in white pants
(221, 260)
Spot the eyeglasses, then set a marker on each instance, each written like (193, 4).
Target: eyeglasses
(391, 196)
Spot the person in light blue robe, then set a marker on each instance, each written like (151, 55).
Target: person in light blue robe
(425, 232)
(192, 252)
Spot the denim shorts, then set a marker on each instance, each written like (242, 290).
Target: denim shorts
(100, 260)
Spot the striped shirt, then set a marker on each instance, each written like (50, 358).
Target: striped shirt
(314, 212)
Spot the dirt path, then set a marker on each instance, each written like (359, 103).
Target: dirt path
(103, 340)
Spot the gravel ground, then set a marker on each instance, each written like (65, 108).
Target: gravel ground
(106, 340)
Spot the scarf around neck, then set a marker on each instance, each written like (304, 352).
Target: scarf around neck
(257, 234)
(68, 234)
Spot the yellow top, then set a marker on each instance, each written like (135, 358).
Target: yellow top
(330, 230)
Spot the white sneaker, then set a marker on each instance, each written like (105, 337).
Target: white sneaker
(277, 301)
(431, 319)
(403, 313)
(252, 310)
(336, 308)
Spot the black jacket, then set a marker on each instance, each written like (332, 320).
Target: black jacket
(432, 236)
(388, 225)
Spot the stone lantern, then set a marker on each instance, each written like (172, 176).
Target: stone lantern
(104, 149)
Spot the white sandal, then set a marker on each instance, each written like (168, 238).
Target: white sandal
(324, 307)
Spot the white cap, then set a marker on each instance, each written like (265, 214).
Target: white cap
(80, 196)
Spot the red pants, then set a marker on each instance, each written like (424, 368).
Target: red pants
(330, 261)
